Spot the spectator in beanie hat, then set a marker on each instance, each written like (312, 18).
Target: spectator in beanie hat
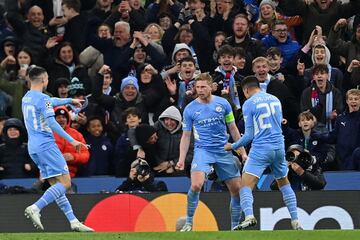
(129, 96)
(76, 88)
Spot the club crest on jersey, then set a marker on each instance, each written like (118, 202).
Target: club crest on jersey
(218, 109)
(48, 105)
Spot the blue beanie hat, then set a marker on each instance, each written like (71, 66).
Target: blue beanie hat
(129, 80)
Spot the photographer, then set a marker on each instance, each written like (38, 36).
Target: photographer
(305, 172)
(141, 178)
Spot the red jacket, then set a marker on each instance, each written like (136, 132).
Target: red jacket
(81, 157)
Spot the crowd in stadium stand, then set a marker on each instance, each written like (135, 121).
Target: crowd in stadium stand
(135, 62)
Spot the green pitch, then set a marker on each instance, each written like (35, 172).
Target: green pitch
(246, 235)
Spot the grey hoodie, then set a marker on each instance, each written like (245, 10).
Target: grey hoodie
(178, 47)
(173, 113)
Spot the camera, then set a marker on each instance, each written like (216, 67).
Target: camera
(142, 167)
(304, 158)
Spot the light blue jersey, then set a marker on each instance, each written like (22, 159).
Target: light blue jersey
(36, 107)
(262, 115)
(208, 122)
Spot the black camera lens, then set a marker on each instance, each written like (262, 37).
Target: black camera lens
(290, 157)
(143, 168)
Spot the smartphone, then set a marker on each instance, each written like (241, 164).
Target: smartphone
(24, 66)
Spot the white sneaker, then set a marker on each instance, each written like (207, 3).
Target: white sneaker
(186, 228)
(248, 222)
(34, 216)
(79, 227)
(295, 224)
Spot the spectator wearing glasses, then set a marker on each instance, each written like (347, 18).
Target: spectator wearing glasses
(268, 16)
(280, 38)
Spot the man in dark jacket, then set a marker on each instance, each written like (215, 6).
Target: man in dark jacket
(269, 84)
(303, 174)
(253, 48)
(116, 51)
(75, 22)
(129, 96)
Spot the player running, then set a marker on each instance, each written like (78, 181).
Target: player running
(39, 120)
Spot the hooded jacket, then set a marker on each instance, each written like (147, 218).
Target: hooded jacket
(335, 74)
(168, 144)
(81, 157)
(14, 152)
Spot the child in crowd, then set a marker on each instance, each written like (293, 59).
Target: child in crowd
(101, 149)
(226, 78)
(126, 149)
(324, 153)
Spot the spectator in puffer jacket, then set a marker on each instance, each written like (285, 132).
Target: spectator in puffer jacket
(73, 158)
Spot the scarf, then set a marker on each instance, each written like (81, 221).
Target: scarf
(229, 82)
(183, 87)
(264, 85)
(328, 104)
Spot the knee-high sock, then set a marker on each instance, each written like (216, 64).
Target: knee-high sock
(246, 200)
(65, 206)
(289, 198)
(192, 202)
(50, 195)
(235, 211)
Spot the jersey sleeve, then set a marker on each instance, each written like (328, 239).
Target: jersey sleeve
(229, 115)
(249, 128)
(46, 107)
(187, 120)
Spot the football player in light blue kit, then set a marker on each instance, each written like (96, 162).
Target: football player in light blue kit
(39, 120)
(263, 116)
(207, 117)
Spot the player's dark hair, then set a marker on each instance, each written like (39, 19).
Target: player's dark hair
(35, 72)
(250, 82)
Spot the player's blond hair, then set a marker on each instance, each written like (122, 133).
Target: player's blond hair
(204, 77)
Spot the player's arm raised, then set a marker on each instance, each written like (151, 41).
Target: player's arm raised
(63, 101)
(184, 147)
